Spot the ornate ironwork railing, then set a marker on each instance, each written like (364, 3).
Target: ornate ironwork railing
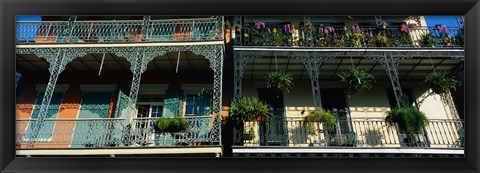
(118, 31)
(115, 132)
(356, 132)
(353, 36)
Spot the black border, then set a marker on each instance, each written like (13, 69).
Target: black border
(10, 8)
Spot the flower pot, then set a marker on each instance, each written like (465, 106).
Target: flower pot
(260, 119)
(309, 27)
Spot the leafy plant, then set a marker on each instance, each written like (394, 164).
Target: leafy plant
(409, 119)
(427, 40)
(357, 80)
(280, 81)
(249, 109)
(326, 118)
(166, 124)
(441, 81)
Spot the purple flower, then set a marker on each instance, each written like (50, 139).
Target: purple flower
(405, 28)
(326, 32)
(353, 27)
(357, 28)
(330, 29)
(257, 24)
(320, 30)
(287, 28)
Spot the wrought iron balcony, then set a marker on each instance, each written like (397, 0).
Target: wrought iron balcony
(119, 31)
(352, 36)
(115, 132)
(357, 132)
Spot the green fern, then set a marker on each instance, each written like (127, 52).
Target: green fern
(441, 81)
(356, 80)
(280, 81)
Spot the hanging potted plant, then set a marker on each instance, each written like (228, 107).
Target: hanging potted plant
(326, 118)
(442, 81)
(357, 80)
(280, 81)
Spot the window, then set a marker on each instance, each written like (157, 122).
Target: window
(199, 103)
(190, 109)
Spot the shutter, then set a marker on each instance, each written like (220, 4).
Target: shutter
(27, 31)
(94, 105)
(52, 112)
(122, 102)
(172, 103)
(205, 103)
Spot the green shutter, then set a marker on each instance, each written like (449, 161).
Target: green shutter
(122, 102)
(172, 103)
(204, 103)
(94, 105)
(47, 127)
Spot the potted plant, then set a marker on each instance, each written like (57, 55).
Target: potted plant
(427, 40)
(248, 109)
(383, 25)
(410, 120)
(441, 81)
(326, 118)
(170, 125)
(238, 27)
(280, 81)
(357, 80)
(309, 26)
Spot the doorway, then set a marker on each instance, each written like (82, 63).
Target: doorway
(275, 134)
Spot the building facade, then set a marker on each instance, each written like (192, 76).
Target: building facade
(96, 85)
(100, 82)
(314, 50)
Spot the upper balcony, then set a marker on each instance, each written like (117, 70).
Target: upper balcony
(324, 36)
(120, 31)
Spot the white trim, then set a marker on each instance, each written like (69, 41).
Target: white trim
(196, 87)
(58, 87)
(84, 45)
(99, 88)
(347, 49)
(347, 150)
(182, 150)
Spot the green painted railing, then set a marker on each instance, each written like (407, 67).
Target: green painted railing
(116, 132)
(120, 31)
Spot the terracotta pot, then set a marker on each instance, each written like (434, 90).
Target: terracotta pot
(260, 119)
(309, 27)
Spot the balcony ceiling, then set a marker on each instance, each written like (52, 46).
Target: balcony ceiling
(411, 69)
(188, 61)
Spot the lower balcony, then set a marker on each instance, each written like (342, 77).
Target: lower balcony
(287, 136)
(115, 136)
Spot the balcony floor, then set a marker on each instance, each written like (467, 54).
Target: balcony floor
(112, 152)
(345, 152)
